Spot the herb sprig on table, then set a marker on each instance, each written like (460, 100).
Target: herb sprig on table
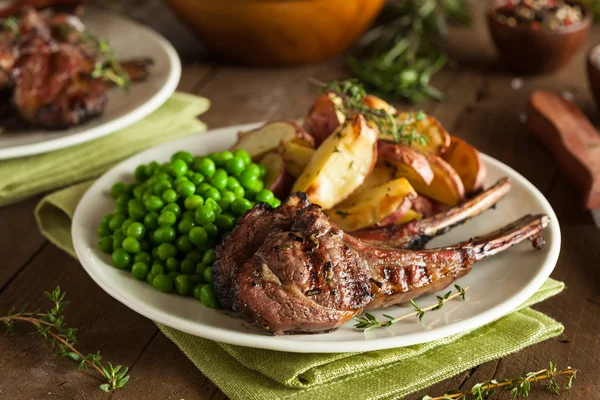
(518, 387)
(352, 95)
(398, 57)
(51, 326)
(369, 321)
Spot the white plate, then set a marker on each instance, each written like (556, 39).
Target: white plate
(498, 285)
(129, 39)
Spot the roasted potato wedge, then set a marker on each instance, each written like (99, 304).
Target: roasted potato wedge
(296, 156)
(374, 206)
(340, 164)
(276, 178)
(408, 163)
(381, 174)
(438, 139)
(410, 215)
(467, 163)
(446, 186)
(378, 104)
(323, 117)
(266, 139)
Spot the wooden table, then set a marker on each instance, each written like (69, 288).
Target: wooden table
(484, 106)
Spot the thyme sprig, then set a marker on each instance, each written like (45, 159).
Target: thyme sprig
(12, 24)
(51, 326)
(369, 322)
(352, 95)
(111, 69)
(518, 387)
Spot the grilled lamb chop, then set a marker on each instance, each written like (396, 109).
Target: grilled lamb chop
(416, 234)
(298, 272)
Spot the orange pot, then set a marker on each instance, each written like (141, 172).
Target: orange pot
(277, 32)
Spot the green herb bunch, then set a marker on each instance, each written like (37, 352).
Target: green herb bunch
(52, 327)
(398, 58)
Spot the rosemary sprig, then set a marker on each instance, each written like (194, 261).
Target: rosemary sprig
(369, 321)
(352, 95)
(518, 387)
(51, 326)
(399, 57)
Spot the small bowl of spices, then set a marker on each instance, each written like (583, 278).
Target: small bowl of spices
(537, 36)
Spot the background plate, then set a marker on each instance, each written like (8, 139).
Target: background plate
(129, 39)
(498, 285)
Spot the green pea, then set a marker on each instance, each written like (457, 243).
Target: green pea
(243, 154)
(139, 270)
(157, 268)
(204, 215)
(143, 257)
(205, 166)
(247, 178)
(255, 169)
(163, 282)
(207, 274)
(184, 285)
(189, 174)
(153, 203)
(207, 296)
(188, 266)
(106, 220)
(263, 170)
(136, 209)
(150, 278)
(122, 200)
(121, 210)
(211, 230)
(118, 189)
(177, 168)
(151, 168)
(212, 193)
(167, 218)
(235, 166)
(121, 259)
(224, 222)
(198, 236)
(172, 207)
(195, 256)
(197, 292)
(239, 192)
(185, 226)
(139, 191)
(182, 178)
(210, 203)
(228, 195)
(151, 220)
(164, 234)
(103, 230)
(197, 178)
(193, 202)
(140, 173)
(264, 196)
(222, 158)
(219, 179)
(275, 203)
(232, 182)
(170, 196)
(118, 238)
(125, 225)
(185, 189)
(159, 187)
(136, 230)
(203, 187)
(116, 221)
(183, 155)
(106, 244)
(165, 251)
(254, 187)
(209, 257)
(172, 264)
(184, 244)
(200, 269)
(131, 245)
(241, 205)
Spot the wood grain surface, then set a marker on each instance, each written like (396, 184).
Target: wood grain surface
(485, 106)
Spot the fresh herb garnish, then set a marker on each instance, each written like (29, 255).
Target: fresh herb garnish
(369, 321)
(399, 57)
(51, 326)
(12, 24)
(341, 213)
(352, 95)
(110, 70)
(518, 387)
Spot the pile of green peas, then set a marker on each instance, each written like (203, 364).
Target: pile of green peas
(167, 223)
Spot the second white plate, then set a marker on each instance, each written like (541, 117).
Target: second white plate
(498, 284)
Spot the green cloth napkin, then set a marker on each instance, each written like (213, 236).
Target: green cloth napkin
(27, 176)
(254, 374)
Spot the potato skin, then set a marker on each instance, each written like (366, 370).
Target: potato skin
(467, 162)
(323, 118)
(276, 178)
(438, 139)
(340, 164)
(408, 162)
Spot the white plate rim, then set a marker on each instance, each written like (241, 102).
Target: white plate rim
(113, 125)
(341, 346)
